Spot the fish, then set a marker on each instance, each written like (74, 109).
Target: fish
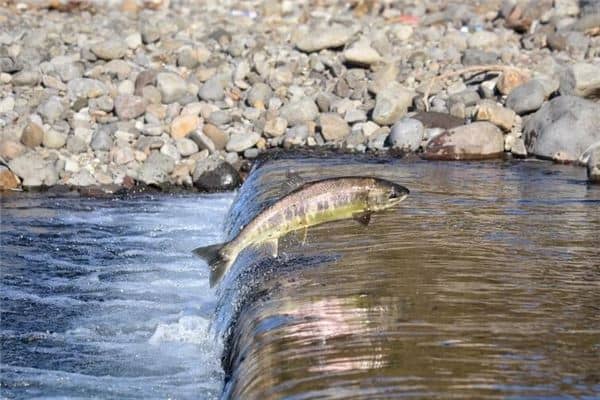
(311, 204)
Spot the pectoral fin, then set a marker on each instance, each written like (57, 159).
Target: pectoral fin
(363, 218)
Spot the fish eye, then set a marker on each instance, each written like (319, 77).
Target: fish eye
(393, 194)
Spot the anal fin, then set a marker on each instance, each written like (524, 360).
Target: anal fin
(363, 218)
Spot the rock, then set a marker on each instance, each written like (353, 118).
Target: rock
(134, 40)
(489, 110)
(85, 88)
(26, 78)
(150, 33)
(148, 77)
(433, 119)
(391, 104)
(52, 109)
(258, 95)
(299, 111)
(183, 125)
(171, 86)
(581, 79)
(156, 168)
(212, 90)
(101, 140)
(219, 118)
(479, 57)
(76, 145)
(10, 149)
(406, 134)
(170, 150)
(361, 53)
(510, 79)
(563, 128)
(275, 127)
(210, 178)
(333, 127)
(186, 147)
(296, 136)
(8, 180)
(7, 104)
(32, 135)
(126, 87)
(526, 97)
(518, 148)
(593, 166)
(476, 141)
(54, 139)
(102, 103)
(109, 49)
(202, 141)
(240, 141)
(82, 178)
(309, 40)
(482, 40)
(34, 170)
(355, 115)
(68, 70)
(216, 135)
(128, 106)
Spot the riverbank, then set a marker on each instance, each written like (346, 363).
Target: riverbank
(185, 95)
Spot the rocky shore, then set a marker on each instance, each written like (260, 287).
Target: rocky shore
(120, 93)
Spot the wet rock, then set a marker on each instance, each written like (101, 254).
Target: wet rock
(128, 106)
(518, 148)
(183, 125)
(310, 40)
(333, 127)
(8, 180)
(109, 49)
(476, 141)
(581, 79)
(171, 86)
(563, 128)
(593, 166)
(242, 140)
(209, 177)
(156, 169)
(391, 104)
(489, 110)
(526, 98)
(406, 134)
(186, 147)
(10, 149)
(299, 111)
(32, 135)
(34, 170)
(54, 139)
(52, 109)
(85, 88)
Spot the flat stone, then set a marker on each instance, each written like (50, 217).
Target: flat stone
(299, 111)
(482, 40)
(581, 79)
(26, 78)
(203, 141)
(109, 49)
(391, 104)
(406, 134)
(220, 117)
(183, 125)
(526, 98)
(476, 141)
(333, 127)
(7, 104)
(171, 86)
(32, 135)
(563, 128)
(434, 119)
(309, 40)
(76, 145)
(240, 141)
(361, 53)
(489, 110)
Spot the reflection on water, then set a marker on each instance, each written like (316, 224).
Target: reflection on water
(484, 283)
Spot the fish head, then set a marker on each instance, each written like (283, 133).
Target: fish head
(384, 194)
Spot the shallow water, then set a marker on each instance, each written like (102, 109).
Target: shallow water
(102, 298)
(484, 283)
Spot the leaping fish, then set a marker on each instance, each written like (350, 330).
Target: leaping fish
(312, 204)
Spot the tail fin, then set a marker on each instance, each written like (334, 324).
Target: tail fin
(214, 258)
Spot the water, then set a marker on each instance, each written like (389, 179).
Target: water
(484, 283)
(102, 298)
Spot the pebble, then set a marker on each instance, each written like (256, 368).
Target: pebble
(391, 104)
(101, 140)
(156, 169)
(362, 53)
(581, 79)
(109, 49)
(310, 40)
(212, 89)
(10, 149)
(7, 104)
(85, 88)
(33, 135)
(52, 109)
(76, 145)
(26, 78)
(406, 134)
(299, 111)
(54, 139)
(171, 86)
(526, 97)
(333, 127)
(489, 110)
(240, 141)
(128, 106)
(186, 147)
(593, 166)
(8, 180)
(218, 137)
(509, 80)
(34, 170)
(222, 177)
(259, 95)
(183, 125)
(275, 127)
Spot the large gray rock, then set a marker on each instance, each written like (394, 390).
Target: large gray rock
(156, 169)
(34, 170)
(171, 86)
(476, 141)
(581, 79)
(309, 40)
(527, 97)
(298, 111)
(391, 104)
(563, 128)
(406, 134)
(211, 175)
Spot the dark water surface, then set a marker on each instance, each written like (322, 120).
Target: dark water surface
(484, 283)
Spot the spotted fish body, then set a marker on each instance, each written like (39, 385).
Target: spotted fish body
(312, 204)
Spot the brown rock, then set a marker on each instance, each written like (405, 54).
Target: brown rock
(510, 80)
(8, 180)
(502, 117)
(183, 125)
(476, 141)
(33, 135)
(10, 149)
(433, 119)
(218, 137)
